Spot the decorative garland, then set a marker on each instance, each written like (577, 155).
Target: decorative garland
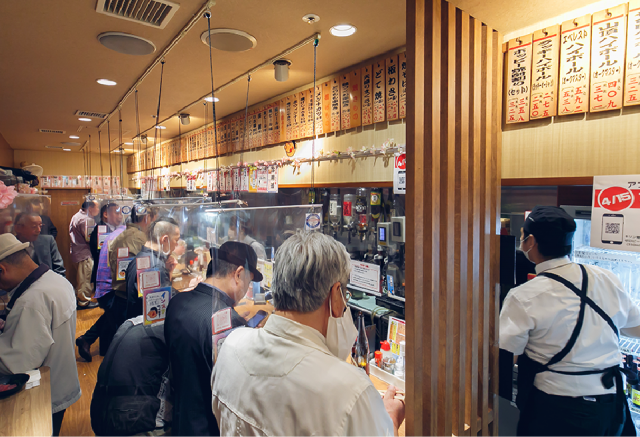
(387, 149)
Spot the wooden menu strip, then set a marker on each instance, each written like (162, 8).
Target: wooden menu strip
(379, 184)
(575, 28)
(537, 182)
(609, 19)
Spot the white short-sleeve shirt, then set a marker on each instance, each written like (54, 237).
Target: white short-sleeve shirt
(538, 318)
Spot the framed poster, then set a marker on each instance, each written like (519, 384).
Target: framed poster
(615, 216)
(544, 74)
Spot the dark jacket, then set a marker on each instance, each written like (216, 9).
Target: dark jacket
(46, 251)
(125, 400)
(48, 227)
(158, 260)
(187, 330)
(95, 252)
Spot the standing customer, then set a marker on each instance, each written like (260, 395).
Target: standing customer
(48, 228)
(111, 217)
(80, 252)
(291, 377)
(188, 334)
(41, 324)
(42, 248)
(564, 325)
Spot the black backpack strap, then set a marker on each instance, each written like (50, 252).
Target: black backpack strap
(583, 295)
(25, 284)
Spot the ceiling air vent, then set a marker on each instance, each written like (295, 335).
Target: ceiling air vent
(100, 115)
(51, 131)
(52, 147)
(155, 13)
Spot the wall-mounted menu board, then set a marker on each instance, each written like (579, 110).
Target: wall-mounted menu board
(371, 94)
(632, 70)
(544, 72)
(608, 46)
(518, 79)
(575, 50)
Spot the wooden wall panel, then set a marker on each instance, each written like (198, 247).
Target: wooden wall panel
(453, 140)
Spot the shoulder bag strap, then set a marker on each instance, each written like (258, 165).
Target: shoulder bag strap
(28, 282)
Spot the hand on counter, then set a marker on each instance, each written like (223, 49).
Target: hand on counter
(394, 407)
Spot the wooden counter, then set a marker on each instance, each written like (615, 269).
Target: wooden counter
(28, 412)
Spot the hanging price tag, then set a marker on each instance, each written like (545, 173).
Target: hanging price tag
(400, 174)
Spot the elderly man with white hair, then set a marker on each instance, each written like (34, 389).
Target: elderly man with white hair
(291, 377)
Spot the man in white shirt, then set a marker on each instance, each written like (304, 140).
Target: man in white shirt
(291, 377)
(40, 326)
(564, 325)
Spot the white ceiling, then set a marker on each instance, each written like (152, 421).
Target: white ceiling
(51, 58)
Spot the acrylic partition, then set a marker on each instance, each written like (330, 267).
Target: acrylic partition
(24, 203)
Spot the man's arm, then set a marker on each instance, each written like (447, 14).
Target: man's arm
(56, 258)
(371, 415)
(25, 342)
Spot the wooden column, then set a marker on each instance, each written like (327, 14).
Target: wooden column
(453, 199)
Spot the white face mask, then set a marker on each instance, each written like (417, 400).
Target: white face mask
(341, 333)
(526, 252)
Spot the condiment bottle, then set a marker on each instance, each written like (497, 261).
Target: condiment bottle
(399, 369)
(362, 345)
(378, 358)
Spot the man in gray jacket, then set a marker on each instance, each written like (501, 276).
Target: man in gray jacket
(42, 248)
(40, 325)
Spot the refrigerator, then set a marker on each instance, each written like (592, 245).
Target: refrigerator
(625, 265)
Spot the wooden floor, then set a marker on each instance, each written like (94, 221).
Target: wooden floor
(77, 420)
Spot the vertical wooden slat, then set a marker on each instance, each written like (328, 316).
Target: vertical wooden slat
(453, 128)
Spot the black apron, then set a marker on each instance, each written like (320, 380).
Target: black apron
(528, 368)
(24, 286)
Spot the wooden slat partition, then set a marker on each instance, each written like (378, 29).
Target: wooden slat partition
(454, 100)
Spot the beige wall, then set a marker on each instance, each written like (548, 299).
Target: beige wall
(70, 163)
(574, 145)
(369, 169)
(6, 153)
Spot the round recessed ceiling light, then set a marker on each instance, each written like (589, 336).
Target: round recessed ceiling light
(74, 137)
(160, 127)
(343, 30)
(106, 82)
(311, 18)
(126, 44)
(84, 119)
(229, 40)
(212, 99)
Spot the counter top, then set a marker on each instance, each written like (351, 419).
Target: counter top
(28, 412)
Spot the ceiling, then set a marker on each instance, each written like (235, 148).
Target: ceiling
(51, 59)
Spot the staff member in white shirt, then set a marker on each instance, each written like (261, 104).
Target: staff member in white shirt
(41, 325)
(564, 325)
(291, 377)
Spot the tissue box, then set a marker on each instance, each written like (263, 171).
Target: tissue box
(34, 379)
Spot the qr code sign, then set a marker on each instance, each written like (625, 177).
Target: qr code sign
(612, 228)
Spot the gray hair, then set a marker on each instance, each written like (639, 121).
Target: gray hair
(161, 227)
(306, 267)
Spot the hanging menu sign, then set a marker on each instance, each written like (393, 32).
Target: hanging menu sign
(354, 98)
(607, 58)
(518, 79)
(310, 114)
(263, 180)
(282, 115)
(272, 175)
(367, 96)
(575, 48)
(378, 92)
(319, 110)
(253, 180)
(326, 107)
(244, 179)
(632, 71)
(544, 74)
(299, 118)
(402, 78)
(345, 107)
(335, 105)
(289, 118)
(392, 88)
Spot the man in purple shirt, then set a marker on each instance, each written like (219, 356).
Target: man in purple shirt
(80, 252)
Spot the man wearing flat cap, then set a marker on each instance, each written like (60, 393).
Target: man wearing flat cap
(188, 333)
(564, 326)
(40, 325)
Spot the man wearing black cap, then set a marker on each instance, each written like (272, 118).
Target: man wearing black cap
(188, 334)
(564, 326)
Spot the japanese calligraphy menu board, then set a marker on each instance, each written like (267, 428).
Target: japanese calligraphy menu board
(632, 72)
(518, 79)
(374, 93)
(615, 217)
(607, 58)
(544, 73)
(575, 46)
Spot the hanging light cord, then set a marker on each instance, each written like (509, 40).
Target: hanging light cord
(89, 156)
(313, 141)
(246, 115)
(100, 151)
(138, 132)
(207, 15)
(121, 148)
(109, 156)
(155, 142)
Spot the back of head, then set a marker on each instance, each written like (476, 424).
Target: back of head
(160, 227)
(141, 211)
(553, 230)
(307, 265)
(231, 255)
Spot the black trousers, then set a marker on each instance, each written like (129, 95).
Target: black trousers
(106, 326)
(57, 421)
(562, 415)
